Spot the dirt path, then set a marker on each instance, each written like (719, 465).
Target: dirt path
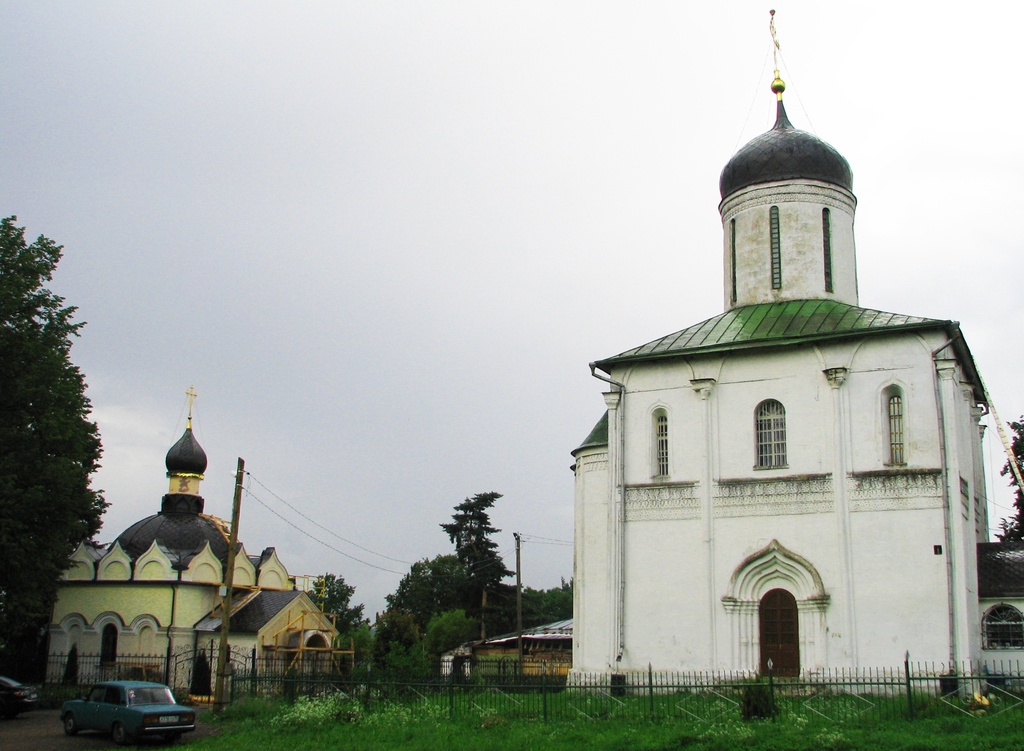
(42, 731)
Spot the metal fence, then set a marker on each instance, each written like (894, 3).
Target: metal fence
(188, 671)
(910, 691)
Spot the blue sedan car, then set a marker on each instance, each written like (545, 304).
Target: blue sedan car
(129, 710)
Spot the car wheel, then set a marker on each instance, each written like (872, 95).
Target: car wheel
(120, 734)
(10, 714)
(70, 726)
(171, 737)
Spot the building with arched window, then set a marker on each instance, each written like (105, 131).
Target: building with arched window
(155, 590)
(826, 495)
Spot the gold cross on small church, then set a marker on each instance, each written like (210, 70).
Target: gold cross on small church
(191, 394)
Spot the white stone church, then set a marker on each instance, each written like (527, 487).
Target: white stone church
(797, 479)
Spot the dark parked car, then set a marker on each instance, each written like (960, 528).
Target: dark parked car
(16, 697)
(129, 710)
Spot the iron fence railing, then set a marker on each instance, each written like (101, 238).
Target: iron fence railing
(831, 695)
(910, 691)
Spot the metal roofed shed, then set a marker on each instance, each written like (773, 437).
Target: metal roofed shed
(547, 650)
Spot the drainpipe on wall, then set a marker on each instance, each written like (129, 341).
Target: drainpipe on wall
(620, 605)
(946, 502)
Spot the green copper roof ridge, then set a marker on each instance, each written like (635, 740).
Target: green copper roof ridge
(758, 325)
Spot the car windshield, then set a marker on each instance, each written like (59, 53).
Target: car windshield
(150, 695)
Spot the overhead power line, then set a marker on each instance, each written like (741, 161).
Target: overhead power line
(321, 526)
(317, 539)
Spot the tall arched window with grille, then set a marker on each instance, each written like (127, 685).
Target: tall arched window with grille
(1002, 628)
(893, 410)
(660, 419)
(770, 426)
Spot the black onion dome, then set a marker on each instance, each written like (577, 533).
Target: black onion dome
(182, 535)
(186, 456)
(785, 153)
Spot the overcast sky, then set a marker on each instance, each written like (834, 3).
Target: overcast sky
(383, 240)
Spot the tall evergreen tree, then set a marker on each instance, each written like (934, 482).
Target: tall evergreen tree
(1012, 529)
(470, 531)
(48, 446)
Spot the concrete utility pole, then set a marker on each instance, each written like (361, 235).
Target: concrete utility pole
(223, 668)
(519, 603)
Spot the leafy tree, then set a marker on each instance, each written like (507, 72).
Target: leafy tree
(362, 640)
(48, 447)
(447, 631)
(541, 606)
(433, 586)
(1013, 528)
(395, 635)
(470, 531)
(335, 598)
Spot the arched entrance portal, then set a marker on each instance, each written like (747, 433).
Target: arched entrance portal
(762, 627)
(780, 633)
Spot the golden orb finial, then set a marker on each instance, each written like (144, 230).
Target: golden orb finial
(778, 85)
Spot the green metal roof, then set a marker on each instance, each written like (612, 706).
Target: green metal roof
(771, 325)
(597, 437)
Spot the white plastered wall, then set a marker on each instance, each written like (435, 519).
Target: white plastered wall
(889, 596)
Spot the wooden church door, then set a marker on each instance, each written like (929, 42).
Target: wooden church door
(780, 637)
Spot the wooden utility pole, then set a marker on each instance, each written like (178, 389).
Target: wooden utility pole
(223, 667)
(519, 604)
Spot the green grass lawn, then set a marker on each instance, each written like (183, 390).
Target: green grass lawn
(265, 726)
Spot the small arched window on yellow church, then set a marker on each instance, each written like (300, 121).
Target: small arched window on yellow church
(893, 406)
(660, 420)
(108, 645)
(770, 425)
(1002, 628)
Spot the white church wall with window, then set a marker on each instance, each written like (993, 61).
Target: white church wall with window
(657, 562)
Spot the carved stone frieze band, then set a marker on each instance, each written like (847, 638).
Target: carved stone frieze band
(810, 495)
(592, 463)
(661, 502)
(826, 195)
(804, 495)
(894, 491)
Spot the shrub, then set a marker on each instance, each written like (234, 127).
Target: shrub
(71, 668)
(757, 702)
(200, 685)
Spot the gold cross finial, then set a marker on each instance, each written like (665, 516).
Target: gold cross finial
(778, 85)
(191, 394)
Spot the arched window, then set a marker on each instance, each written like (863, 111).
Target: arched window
(1002, 628)
(893, 405)
(770, 424)
(108, 645)
(660, 443)
(773, 218)
(826, 246)
(732, 260)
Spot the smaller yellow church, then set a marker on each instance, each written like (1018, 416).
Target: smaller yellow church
(153, 596)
